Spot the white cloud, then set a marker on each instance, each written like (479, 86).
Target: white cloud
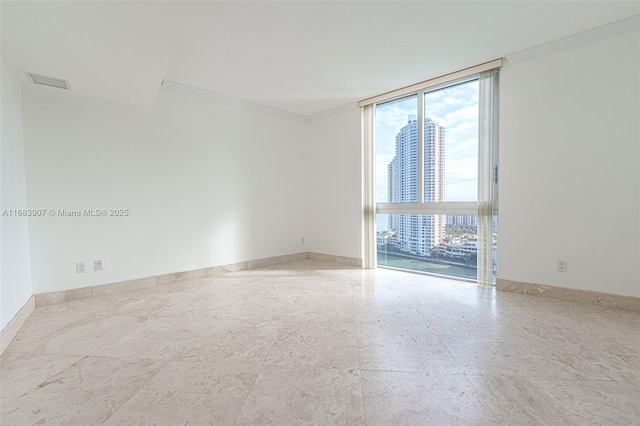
(461, 169)
(462, 148)
(394, 116)
(461, 182)
(462, 131)
(467, 113)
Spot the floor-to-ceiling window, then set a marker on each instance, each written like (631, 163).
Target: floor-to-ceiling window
(432, 177)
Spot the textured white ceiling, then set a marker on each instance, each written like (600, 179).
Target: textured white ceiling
(304, 57)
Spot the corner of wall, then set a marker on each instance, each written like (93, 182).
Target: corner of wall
(16, 323)
(15, 263)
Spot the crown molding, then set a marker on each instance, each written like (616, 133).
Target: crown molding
(579, 39)
(332, 112)
(218, 97)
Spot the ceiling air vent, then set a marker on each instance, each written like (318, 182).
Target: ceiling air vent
(49, 81)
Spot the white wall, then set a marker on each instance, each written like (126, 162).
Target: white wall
(211, 183)
(569, 165)
(15, 267)
(335, 153)
(206, 183)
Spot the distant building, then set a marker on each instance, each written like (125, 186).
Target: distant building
(383, 237)
(417, 234)
(462, 221)
(460, 249)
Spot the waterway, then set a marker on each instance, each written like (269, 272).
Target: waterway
(408, 262)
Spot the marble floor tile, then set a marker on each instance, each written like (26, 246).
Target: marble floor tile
(518, 400)
(232, 341)
(598, 402)
(445, 317)
(472, 335)
(144, 304)
(40, 327)
(527, 400)
(513, 358)
(86, 393)
(322, 288)
(374, 288)
(499, 303)
(186, 393)
(70, 334)
(192, 305)
(260, 308)
(183, 285)
(547, 328)
(599, 316)
(22, 372)
(388, 311)
(248, 287)
(419, 290)
(313, 342)
(237, 283)
(92, 305)
(401, 398)
(403, 348)
(516, 313)
(293, 395)
(595, 358)
(330, 345)
(321, 309)
(154, 338)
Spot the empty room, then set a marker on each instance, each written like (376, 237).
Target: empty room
(320, 212)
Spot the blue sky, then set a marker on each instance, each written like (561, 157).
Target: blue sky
(456, 108)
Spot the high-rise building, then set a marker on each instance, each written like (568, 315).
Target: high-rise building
(417, 234)
(462, 221)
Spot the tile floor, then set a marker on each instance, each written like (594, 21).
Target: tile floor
(315, 343)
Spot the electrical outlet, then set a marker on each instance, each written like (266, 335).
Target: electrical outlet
(302, 240)
(562, 266)
(80, 268)
(97, 265)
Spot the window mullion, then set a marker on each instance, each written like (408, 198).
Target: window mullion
(420, 154)
(368, 145)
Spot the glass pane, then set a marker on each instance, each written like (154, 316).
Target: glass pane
(439, 244)
(397, 151)
(494, 246)
(451, 143)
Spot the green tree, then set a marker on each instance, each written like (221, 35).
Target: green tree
(471, 259)
(435, 253)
